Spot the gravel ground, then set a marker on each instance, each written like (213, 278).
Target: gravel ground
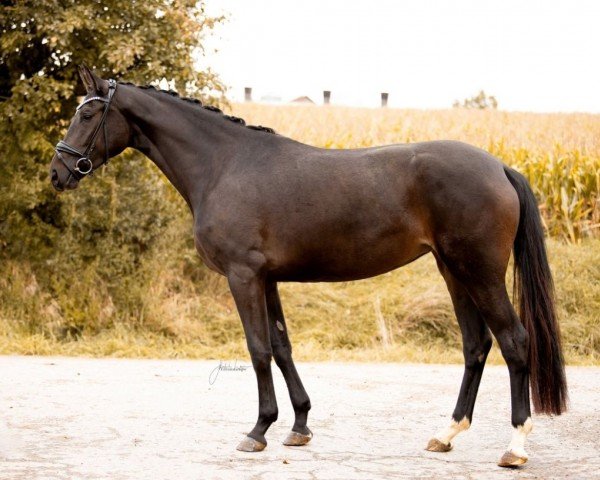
(75, 418)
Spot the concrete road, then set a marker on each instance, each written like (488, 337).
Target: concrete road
(73, 418)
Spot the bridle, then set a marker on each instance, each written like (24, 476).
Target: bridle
(84, 165)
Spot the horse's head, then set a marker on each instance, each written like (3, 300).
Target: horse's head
(98, 131)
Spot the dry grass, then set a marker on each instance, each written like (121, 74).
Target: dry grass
(404, 315)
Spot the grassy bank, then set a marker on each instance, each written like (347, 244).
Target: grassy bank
(404, 315)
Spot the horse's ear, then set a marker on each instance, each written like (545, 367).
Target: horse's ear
(87, 78)
(93, 84)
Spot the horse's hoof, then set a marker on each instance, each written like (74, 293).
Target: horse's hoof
(248, 444)
(435, 445)
(511, 460)
(295, 439)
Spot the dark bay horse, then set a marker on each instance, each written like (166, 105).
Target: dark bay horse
(268, 209)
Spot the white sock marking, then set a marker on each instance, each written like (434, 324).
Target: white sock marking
(517, 444)
(447, 434)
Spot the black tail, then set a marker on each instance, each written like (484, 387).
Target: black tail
(534, 290)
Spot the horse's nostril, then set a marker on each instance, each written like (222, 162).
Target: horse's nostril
(55, 180)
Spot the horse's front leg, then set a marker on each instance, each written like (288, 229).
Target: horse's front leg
(248, 291)
(282, 350)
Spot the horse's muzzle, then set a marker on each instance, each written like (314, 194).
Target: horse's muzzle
(70, 183)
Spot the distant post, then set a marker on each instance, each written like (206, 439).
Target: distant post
(384, 99)
(248, 94)
(326, 97)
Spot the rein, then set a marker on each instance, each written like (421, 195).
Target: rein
(84, 166)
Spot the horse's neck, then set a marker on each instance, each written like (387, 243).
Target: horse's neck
(184, 141)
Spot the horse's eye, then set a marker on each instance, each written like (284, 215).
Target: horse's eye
(86, 115)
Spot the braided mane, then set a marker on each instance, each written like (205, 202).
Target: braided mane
(212, 108)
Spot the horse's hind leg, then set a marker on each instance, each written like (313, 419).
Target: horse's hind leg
(481, 268)
(282, 351)
(495, 307)
(477, 342)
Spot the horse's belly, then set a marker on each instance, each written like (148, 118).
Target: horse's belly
(350, 261)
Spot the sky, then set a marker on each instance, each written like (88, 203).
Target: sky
(531, 55)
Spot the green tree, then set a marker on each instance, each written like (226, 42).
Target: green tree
(116, 217)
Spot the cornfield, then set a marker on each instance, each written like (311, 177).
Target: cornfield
(558, 153)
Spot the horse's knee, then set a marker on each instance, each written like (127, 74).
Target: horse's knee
(261, 361)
